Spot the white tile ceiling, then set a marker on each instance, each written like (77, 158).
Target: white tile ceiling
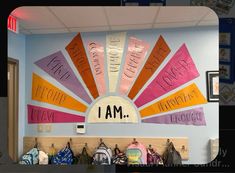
(189, 14)
(48, 30)
(130, 15)
(80, 16)
(175, 24)
(36, 18)
(132, 27)
(90, 29)
(40, 20)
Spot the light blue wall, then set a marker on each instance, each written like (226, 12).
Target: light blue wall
(16, 50)
(202, 43)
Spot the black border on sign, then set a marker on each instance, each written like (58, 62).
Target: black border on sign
(210, 96)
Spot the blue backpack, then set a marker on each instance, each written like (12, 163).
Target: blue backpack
(30, 158)
(63, 157)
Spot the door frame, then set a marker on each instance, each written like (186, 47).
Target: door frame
(16, 105)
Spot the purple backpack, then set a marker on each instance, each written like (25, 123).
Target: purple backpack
(153, 158)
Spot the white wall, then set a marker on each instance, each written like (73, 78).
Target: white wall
(202, 43)
(16, 50)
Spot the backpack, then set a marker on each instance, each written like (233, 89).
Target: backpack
(102, 155)
(119, 157)
(75, 160)
(171, 156)
(43, 158)
(51, 154)
(153, 158)
(63, 157)
(30, 158)
(84, 157)
(136, 153)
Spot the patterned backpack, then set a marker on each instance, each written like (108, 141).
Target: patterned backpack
(119, 157)
(30, 158)
(136, 153)
(102, 155)
(153, 158)
(63, 157)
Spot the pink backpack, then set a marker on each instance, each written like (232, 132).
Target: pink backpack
(136, 153)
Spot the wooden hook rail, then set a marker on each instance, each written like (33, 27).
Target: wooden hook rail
(77, 143)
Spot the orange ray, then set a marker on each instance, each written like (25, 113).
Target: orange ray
(185, 97)
(44, 91)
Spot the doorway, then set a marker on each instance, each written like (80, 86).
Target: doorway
(13, 91)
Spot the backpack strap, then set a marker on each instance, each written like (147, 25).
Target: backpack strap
(150, 150)
(84, 151)
(116, 150)
(68, 145)
(102, 144)
(171, 147)
(31, 157)
(134, 141)
(52, 150)
(36, 143)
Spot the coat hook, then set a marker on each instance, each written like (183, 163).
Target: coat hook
(134, 141)
(183, 148)
(36, 143)
(69, 142)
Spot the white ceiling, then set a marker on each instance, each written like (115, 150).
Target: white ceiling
(41, 20)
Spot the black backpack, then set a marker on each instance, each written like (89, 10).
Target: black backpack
(119, 157)
(84, 157)
(171, 156)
